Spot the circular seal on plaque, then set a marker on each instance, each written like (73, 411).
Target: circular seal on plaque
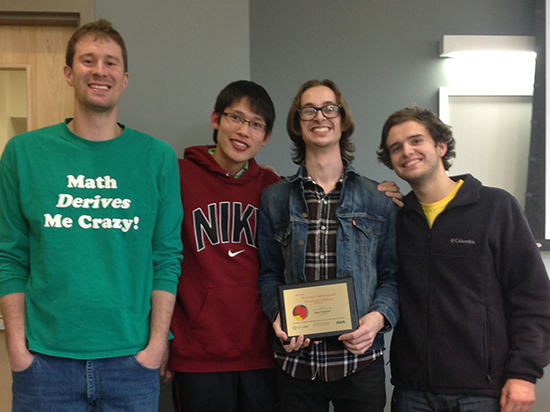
(300, 312)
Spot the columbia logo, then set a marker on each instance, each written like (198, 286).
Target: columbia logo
(459, 240)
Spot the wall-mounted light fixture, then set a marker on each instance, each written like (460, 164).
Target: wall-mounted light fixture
(489, 62)
(455, 46)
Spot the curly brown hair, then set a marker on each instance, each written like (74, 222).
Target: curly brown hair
(439, 131)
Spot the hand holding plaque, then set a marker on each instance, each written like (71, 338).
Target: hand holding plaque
(318, 310)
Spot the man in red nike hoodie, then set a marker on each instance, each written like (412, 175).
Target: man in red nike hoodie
(221, 351)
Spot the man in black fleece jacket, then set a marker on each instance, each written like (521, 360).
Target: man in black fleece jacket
(474, 294)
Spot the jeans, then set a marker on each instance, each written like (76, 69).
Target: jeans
(54, 384)
(364, 390)
(406, 400)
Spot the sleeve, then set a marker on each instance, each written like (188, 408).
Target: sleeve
(166, 242)
(14, 229)
(271, 260)
(526, 290)
(386, 300)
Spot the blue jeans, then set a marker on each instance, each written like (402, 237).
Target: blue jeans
(406, 400)
(53, 384)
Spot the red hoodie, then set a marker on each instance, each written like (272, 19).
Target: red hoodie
(218, 323)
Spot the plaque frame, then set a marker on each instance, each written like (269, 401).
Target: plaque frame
(349, 322)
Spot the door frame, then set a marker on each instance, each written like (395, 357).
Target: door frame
(27, 69)
(47, 12)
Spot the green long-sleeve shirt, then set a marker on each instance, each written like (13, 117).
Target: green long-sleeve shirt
(87, 231)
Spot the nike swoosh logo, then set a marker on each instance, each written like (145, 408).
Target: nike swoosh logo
(233, 254)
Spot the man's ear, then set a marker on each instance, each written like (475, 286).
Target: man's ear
(266, 139)
(125, 81)
(215, 120)
(68, 73)
(441, 148)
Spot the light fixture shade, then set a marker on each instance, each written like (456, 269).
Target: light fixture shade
(450, 46)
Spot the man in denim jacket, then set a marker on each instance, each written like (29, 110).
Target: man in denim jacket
(328, 221)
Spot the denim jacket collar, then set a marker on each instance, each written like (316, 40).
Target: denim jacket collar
(298, 176)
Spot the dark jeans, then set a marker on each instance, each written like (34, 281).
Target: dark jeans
(406, 400)
(53, 384)
(362, 391)
(245, 391)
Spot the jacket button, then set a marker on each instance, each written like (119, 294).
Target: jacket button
(300, 243)
(304, 215)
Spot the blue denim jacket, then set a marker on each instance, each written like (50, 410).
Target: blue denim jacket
(365, 244)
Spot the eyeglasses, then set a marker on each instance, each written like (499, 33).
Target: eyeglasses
(255, 126)
(330, 111)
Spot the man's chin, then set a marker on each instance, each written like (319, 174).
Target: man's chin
(99, 108)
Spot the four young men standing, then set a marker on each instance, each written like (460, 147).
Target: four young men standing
(90, 258)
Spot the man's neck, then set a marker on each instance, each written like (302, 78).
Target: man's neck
(95, 126)
(435, 189)
(226, 163)
(325, 168)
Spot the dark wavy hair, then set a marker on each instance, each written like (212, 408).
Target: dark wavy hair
(100, 29)
(439, 131)
(258, 100)
(294, 128)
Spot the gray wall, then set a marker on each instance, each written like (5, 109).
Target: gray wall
(383, 54)
(181, 54)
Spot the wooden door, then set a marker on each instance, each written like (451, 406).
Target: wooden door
(42, 49)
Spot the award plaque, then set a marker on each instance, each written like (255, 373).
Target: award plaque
(320, 309)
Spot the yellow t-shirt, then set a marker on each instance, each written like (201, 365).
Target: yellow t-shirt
(432, 210)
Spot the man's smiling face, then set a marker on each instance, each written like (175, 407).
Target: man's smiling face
(415, 156)
(320, 131)
(97, 75)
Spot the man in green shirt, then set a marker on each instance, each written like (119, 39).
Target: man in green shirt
(90, 246)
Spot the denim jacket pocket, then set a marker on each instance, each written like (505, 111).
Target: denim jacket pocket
(369, 225)
(292, 250)
(281, 234)
(366, 235)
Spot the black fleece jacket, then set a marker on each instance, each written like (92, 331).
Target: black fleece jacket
(474, 296)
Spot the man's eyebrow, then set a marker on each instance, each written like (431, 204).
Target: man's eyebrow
(255, 117)
(322, 104)
(394, 144)
(412, 136)
(108, 56)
